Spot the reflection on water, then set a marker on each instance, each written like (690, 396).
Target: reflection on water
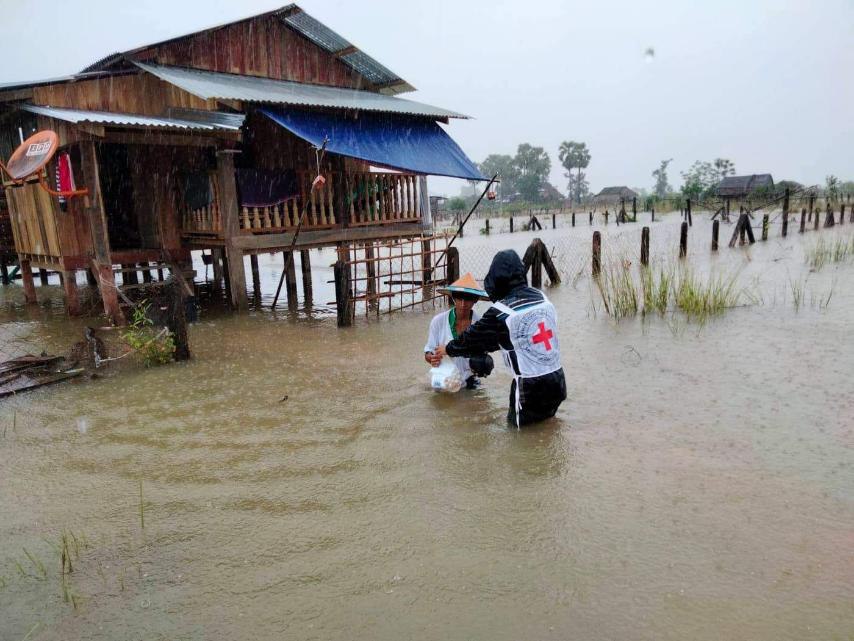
(697, 484)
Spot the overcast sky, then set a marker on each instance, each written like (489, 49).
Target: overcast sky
(767, 84)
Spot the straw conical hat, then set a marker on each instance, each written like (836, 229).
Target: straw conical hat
(465, 284)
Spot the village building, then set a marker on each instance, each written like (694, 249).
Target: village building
(742, 187)
(209, 141)
(612, 196)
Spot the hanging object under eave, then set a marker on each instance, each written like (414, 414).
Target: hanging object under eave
(400, 142)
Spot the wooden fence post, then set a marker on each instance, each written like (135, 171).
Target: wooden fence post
(597, 251)
(803, 220)
(176, 320)
(652, 209)
(591, 217)
(573, 219)
(644, 254)
(343, 294)
(786, 212)
(688, 212)
(487, 226)
(554, 222)
(764, 227)
(842, 214)
(511, 224)
(716, 227)
(634, 210)
(815, 222)
(811, 205)
(828, 220)
(683, 240)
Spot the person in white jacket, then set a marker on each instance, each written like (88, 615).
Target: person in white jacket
(450, 324)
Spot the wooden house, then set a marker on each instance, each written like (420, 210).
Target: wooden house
(741, 187)
(209, 141)
(611, 196)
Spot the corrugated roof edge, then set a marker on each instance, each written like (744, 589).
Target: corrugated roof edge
(127, 120)
(161, 71)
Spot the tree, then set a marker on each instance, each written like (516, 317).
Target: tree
(533, 166)
(662, 187)
(578, 186)
(702, 177)
(723, 168)
(574, 155)
(831, 189)
(502, 165)
(457, 204)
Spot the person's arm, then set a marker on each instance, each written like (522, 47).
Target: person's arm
(434, 340)
(485, 335)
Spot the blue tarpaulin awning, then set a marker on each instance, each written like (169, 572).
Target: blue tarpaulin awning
(392, 140)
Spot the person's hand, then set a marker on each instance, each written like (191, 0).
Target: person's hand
(440, 352)
(431, 358)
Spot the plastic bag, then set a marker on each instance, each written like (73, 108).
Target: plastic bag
(446, 377)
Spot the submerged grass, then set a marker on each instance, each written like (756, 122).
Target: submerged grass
(666, 288)
(823, 251)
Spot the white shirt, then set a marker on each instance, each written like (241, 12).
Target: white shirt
(440, 334)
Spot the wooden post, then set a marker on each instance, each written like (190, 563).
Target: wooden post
(828, 220)
(786, 212)
(229, 211)
(554, 222)
(342, 293)
(652, 209)
(573, 218)
(4, 271)
(811, 205)
(102, 264)
(716, 228)
(291, 278)
(764, 228)
(597, 253)
(176, 319)
(305, 268)
(644, 257)
(129, 275)
(683, 240)
(511, 224)
(217, 261)
(533, 260)
(256, 275)
(591, 218)
(803, 220)
(452, 272)
(90, 278)
(842, 214)
(27, 281)
(815, 222)
(748, 228)
(72, 299)
(688, 212)
(606, 216)
(487, 226)
(43, 277)
(634, 209)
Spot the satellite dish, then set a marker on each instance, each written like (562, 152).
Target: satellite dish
(32, 155)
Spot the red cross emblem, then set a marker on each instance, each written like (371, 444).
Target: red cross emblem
(544, 336)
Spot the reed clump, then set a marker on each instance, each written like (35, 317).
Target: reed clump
(665, 288)
(835, 250)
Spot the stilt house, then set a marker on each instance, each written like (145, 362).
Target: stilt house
(207, 141)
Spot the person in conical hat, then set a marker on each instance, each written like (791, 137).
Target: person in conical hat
(448, 325)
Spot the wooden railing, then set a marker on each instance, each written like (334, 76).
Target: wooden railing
(371, 199)
(377, 198)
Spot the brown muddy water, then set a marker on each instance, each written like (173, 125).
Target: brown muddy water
(697, 484)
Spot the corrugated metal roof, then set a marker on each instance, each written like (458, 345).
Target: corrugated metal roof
(332, 42)
(210, 85)
(125, 120)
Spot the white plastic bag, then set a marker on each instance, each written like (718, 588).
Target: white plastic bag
(446, 377)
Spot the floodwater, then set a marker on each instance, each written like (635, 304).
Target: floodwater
(301, 482)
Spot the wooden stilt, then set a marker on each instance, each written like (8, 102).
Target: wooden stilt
(290, 279)
(4, 271)
(72, 298)
(27, 281)
(43, 277)
(305, 267)
(90, 278)
(256, 276)
(227, 194)
(216, 263)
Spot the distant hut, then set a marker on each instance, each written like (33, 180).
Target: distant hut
(612, 196)
(743, 188)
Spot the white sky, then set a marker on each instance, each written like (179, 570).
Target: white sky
(766, 83)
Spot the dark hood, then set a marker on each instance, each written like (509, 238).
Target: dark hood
(505, 274)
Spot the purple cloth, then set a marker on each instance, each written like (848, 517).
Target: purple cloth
(263, 188)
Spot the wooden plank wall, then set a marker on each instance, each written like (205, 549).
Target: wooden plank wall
(33, 219)
(261, 47)
(135, 94)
